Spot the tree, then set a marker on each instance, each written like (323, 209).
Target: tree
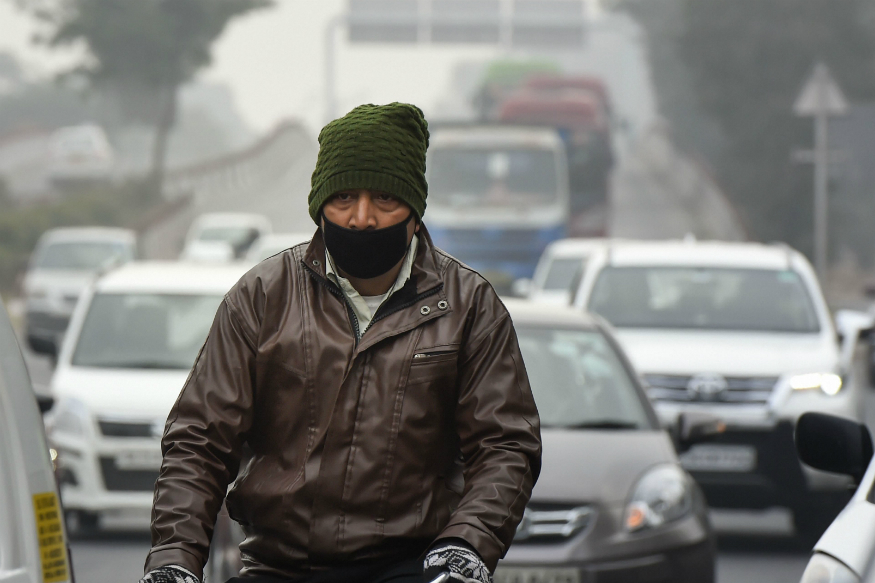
(745, 62)
(141, 51)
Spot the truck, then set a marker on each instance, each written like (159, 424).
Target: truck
(498, 195)
(579, 109)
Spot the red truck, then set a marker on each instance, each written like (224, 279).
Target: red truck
(579, 108)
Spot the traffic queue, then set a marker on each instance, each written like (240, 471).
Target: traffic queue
(670, 381)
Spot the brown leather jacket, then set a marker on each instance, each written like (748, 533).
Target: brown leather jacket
(356, 445)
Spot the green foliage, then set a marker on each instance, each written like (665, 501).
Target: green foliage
(512, 72)
(22, 226)
(744, 62)
(140, 50)
(151, 44)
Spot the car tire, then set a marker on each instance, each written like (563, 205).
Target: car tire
(82, 523)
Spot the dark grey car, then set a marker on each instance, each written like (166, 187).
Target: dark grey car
(612, 502)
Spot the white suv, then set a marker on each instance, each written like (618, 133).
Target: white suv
(131, 343)
(741, 331)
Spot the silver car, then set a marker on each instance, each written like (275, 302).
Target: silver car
(612, 501)
(64, 262)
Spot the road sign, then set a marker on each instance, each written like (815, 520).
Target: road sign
(821, 98)
(821, 95)
(549, 24)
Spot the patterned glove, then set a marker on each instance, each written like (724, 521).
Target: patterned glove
(461, 562)
(169, 574)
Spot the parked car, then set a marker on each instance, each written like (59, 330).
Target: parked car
(238, 230)
(270, 245)
(79, 155)
(559, 271)
(845, 552)
(741, 331)
(612, 500)
(63, 264)
(132, 341)
(33, 541)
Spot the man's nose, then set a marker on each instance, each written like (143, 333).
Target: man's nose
(363, 216)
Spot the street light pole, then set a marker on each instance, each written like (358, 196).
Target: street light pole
(821, 192)
(329, 58)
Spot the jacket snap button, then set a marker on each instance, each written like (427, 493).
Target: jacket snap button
(316, 262)
(443, 305)
(424, 310)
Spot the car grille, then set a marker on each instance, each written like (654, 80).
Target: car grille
(125, 429)
(117, 480)
(737, 390)
(553, 522)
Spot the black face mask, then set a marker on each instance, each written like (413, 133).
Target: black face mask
(366, 254)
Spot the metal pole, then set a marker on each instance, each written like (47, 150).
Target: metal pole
(329, 64)
(821, 192)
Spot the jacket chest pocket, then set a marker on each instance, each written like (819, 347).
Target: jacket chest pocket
(429, 364)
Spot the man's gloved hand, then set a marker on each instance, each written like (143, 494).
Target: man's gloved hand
(459, 560)
(170, 574)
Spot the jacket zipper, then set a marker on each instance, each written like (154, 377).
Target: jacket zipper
(353, 319)
(421, 355)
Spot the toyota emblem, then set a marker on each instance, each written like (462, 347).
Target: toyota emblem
(707, 387)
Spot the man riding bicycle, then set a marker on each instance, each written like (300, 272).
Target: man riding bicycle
(377, 382)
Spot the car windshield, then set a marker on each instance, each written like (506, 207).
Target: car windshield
(81, 255)
(234, 236)
(704, 298)
(564, 273)
(578, 381)
(159, 331)
(477, 177)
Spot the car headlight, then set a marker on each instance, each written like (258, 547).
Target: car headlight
(829, 383)
(824, 569)
(69, 416)
(661, 496)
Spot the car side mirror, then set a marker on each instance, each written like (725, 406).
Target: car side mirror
(833, 444)
(850, 325)
(45, 346)
(521, 288)
(45, 403)
(692, 428)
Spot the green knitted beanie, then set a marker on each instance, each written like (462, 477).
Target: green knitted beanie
(377, 147)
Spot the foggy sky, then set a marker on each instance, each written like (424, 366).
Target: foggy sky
(273, 61)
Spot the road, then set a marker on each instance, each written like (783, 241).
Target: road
(118, 557)
(753, 547)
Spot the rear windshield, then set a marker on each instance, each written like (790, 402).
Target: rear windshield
(564, 273)
(578, 381)
(159, 331)
(82, 255)
(704, 298)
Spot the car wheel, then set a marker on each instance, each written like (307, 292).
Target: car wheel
(82, 523)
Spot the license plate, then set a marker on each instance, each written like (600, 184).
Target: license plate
(138, 460)
(720, 458)
(541, 575)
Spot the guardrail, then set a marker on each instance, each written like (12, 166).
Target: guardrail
(263, 162)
